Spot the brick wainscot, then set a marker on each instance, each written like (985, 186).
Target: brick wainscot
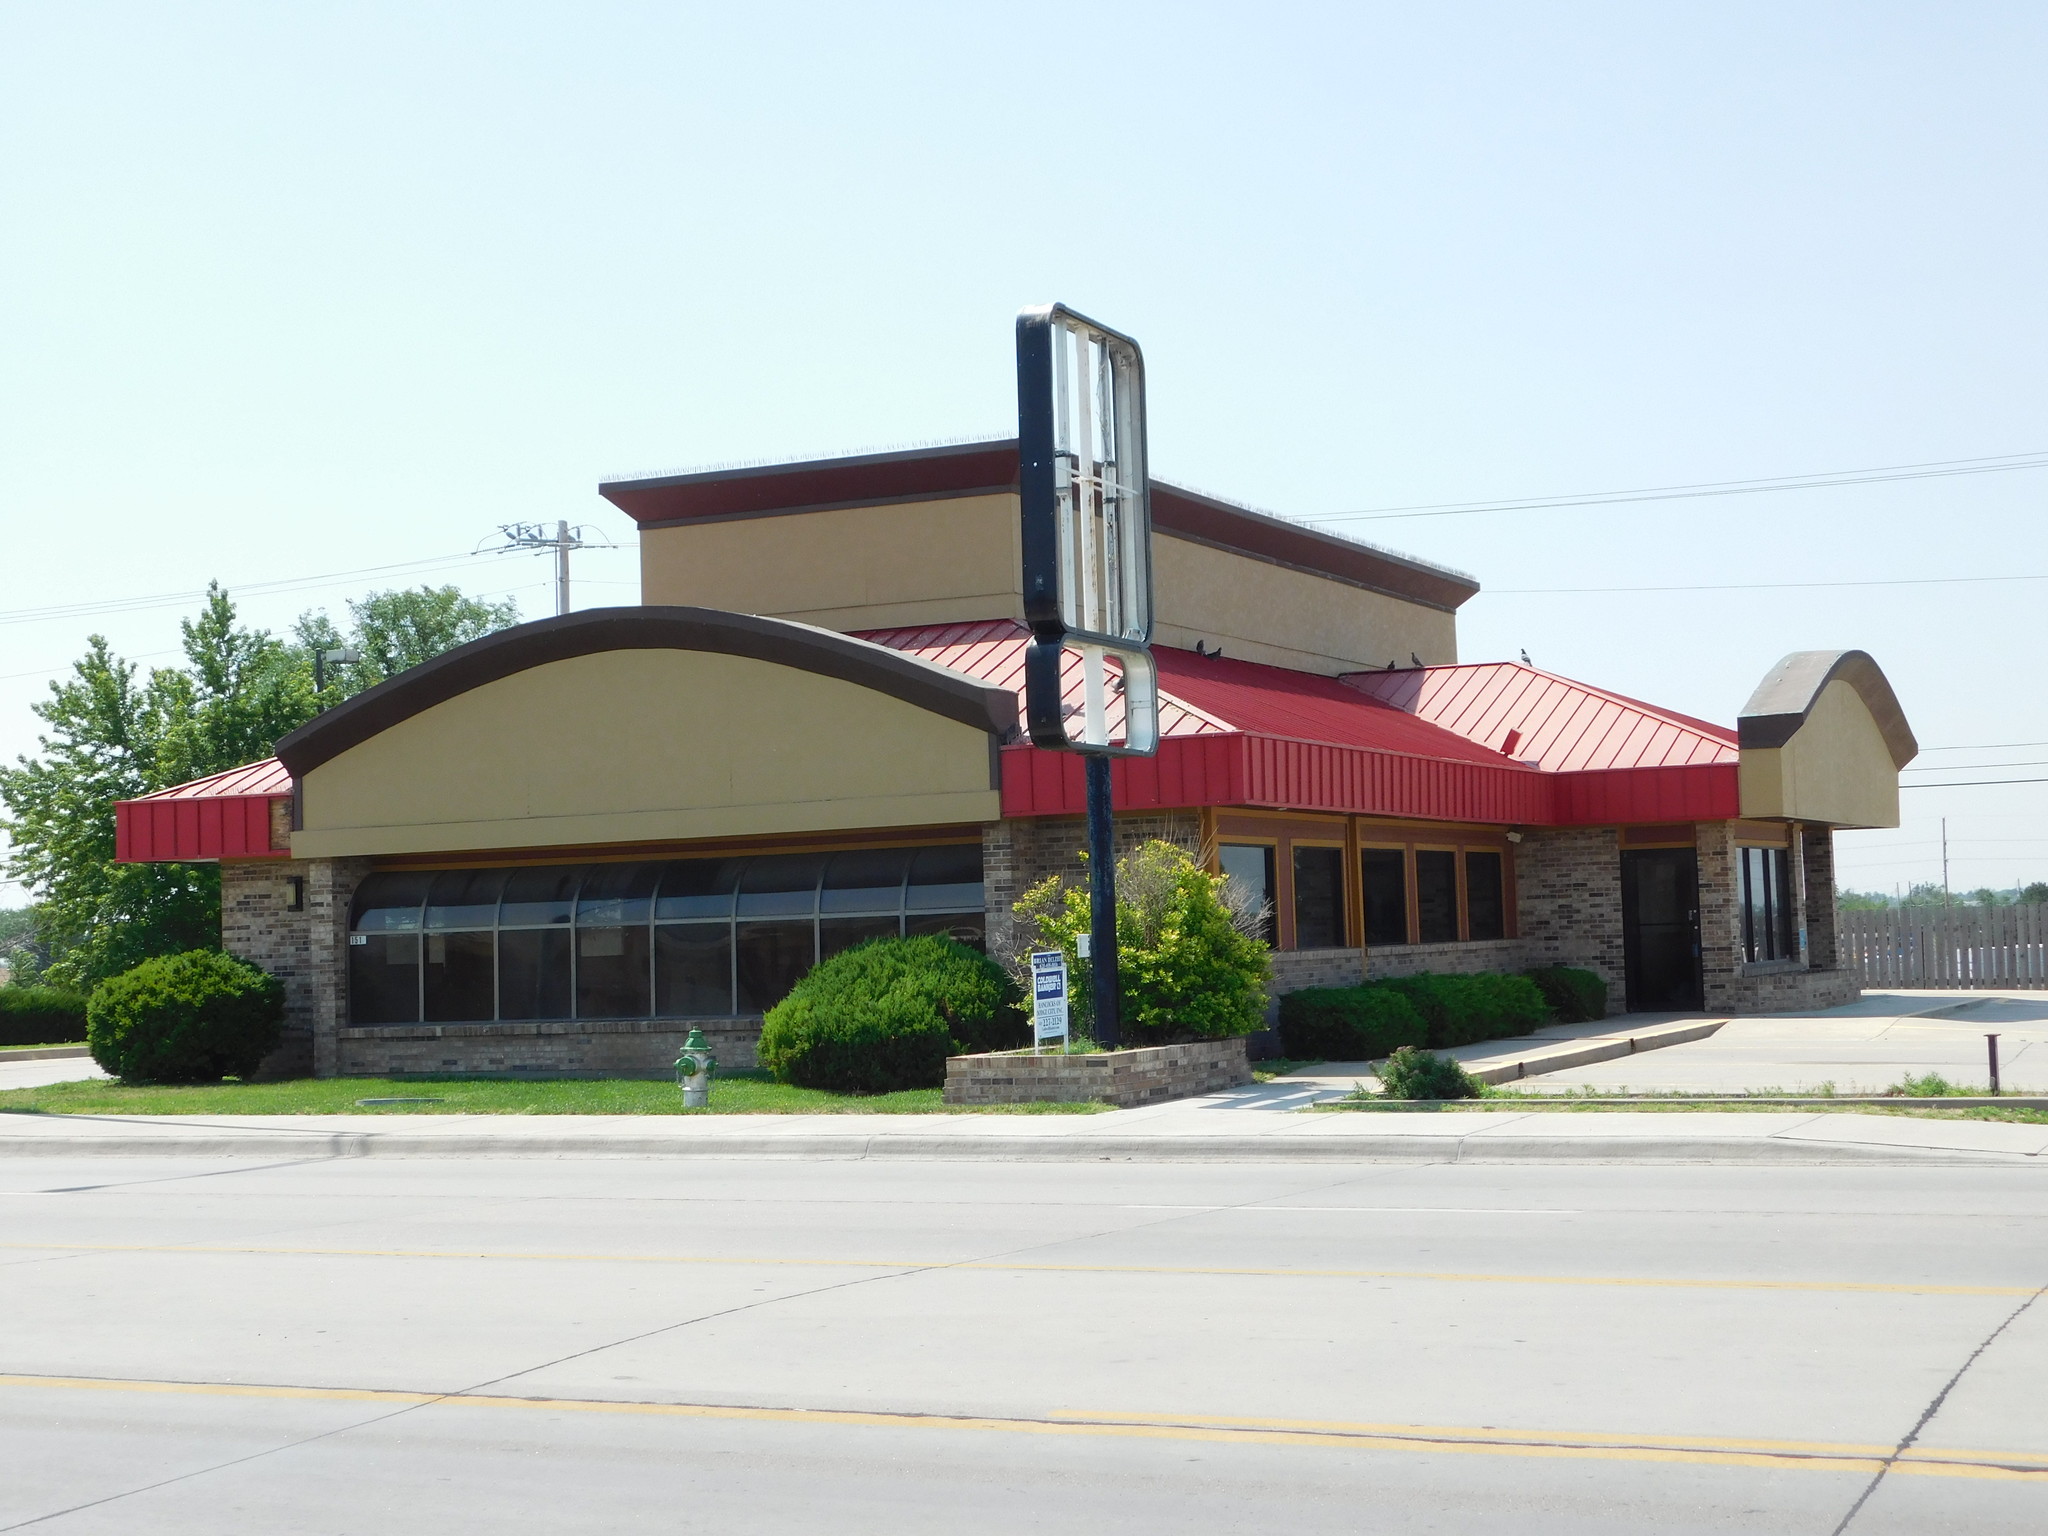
(1148, 1075)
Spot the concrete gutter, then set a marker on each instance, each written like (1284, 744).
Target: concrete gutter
(1172, 1134)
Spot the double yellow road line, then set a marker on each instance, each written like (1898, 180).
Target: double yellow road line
(1321, 1434)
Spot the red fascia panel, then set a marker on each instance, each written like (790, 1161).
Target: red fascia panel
(1693, 792)
(194, 830)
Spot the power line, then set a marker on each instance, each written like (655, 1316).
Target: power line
(1935, 469)
(1988, 746)
(1971, 783)
(1763, 586)
(1975, 767)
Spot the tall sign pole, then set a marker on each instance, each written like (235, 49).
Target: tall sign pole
(1086, 496)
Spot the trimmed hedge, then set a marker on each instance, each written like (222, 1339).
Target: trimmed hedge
(1347, 1023)
(886, 1014)
(1464, 1010)
(1575, 996)
(190, 1018)
(40, 1016)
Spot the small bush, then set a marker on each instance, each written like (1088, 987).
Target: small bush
(40, 1016)
(1574, 995)
(1186, 965)
(190, 1018)
(1348, 1023)
(886, 1014)
(1413, 1074)
(1464, 1010)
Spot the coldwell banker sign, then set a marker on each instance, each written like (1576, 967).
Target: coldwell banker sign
(1049, 994)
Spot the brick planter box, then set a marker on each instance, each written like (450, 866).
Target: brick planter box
(1149, 1075)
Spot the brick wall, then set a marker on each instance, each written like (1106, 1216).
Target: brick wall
(257, 925)
(1294, 969)
(625, 1047)
(1447, 959)
(1732, 985)
(1150, 1075)
(1568, 901)
(1823, 922)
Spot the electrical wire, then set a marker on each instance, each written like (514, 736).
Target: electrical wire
(1971, 783)
(1763, 586)
(1933, 469)
(1975, 767)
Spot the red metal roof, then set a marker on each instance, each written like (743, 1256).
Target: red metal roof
(1559, 725)
(225, 815)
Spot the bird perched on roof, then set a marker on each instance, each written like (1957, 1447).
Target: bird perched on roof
(1414, 660)
(1525, 659)
(1202, 649)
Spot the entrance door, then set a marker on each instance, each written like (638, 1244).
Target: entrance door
(1660, 928)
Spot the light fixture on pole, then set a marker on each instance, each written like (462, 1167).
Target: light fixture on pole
(339, 656)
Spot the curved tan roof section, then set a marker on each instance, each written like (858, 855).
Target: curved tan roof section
(1789, 692)
(526, 646)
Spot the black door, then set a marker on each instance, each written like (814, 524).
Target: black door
(1660, 929)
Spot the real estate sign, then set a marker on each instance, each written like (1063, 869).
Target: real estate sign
(1049, 995)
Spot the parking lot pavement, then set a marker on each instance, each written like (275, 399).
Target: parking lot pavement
(1865, 1048)
(602, 1345)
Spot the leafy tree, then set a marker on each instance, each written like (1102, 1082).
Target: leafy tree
(2036, 894)
(110, 737)
(397, 630)
(19, 947)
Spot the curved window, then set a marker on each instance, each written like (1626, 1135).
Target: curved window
(690, 938)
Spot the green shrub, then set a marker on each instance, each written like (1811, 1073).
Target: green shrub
(40, 1016)
(886, 1014)
(1186, 967)
(1347, 1023)
(190, 1018)
(1575, 996)
(1464, 1010)
(1413, 1074)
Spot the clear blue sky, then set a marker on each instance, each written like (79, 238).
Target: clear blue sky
(297, 290)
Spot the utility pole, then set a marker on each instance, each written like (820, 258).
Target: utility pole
(561, 541)
(1944, 863)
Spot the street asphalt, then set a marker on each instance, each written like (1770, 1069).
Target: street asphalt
(611, 1344)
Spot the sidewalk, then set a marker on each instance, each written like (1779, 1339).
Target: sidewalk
(1212, 1129)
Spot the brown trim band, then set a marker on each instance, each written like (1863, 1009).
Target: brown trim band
(1789, 691)
(780, 641)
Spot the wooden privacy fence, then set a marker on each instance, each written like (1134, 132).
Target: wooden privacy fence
(1959, 946)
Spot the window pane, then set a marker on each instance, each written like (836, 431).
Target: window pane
(969, 928)
(1781, 903)
(612, 975)
(692, 969)
(946, 879)
(1756, 926)
(464, 898)
(1384, 874)
(837, 933)
(533, 973)
(537, 898)
(867, 881)
(1249, 866)
(616, 895)
(460, 969)
(384, 978)
(697, 888)
(1436, 895)
(1485, 912)
(1318, 898)
(389, 904)
(771, 956)
(781, 885)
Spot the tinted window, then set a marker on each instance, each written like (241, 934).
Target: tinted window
(384, 978)
(868, 881)
(692, 969)
(461, 974)
(613, 895)
(837, 933)
(769, 958)
(1436, 895)
(536, 898)
(1485, 910)
(612, 976)
(1249, 867)
(697, 888)
(781, 885)
(464, 898)
(533, 973)
(945, 879)
(389, 904)
(969, 928)
(1384, 874)
(1318, 898)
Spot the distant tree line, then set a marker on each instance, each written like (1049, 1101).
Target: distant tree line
(112, 734)
(1928, 894)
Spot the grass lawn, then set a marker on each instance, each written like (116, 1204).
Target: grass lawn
(740, 1093)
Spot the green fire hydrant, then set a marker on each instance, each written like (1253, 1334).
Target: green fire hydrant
(693, 1071)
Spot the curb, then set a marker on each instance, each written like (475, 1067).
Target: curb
(1467, 1148)
(44, 1053)
(1564, 1058)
